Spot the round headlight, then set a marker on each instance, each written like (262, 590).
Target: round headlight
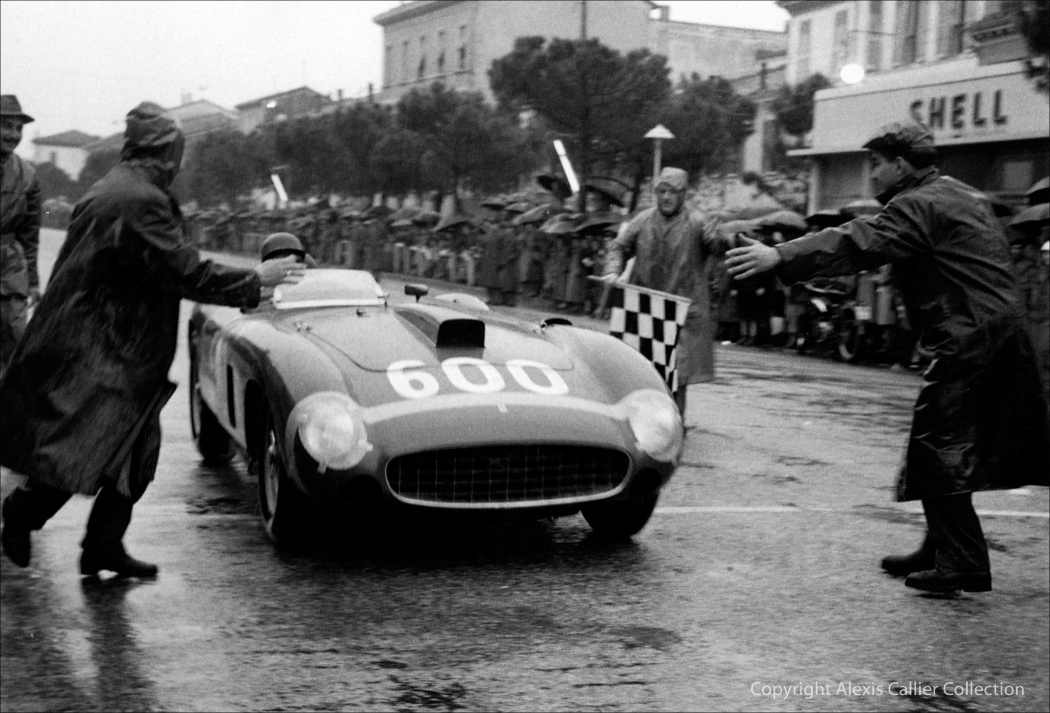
(332, 432)
(656, 423)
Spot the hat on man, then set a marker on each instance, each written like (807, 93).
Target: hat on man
(902, 138)
(676, 178)
(11, 109)
(148, 127)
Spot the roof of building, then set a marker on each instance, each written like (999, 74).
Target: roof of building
(280, 95)
(419, 7)
(73, 138)
(197, 118)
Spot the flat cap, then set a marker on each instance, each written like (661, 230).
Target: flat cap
(901, 136)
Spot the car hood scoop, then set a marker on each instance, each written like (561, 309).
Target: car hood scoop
(375, 339)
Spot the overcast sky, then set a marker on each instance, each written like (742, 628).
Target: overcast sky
(83, 65)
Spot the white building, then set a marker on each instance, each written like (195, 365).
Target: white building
(955, 65)
(66, 151)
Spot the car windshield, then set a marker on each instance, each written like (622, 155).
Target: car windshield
(330, 288)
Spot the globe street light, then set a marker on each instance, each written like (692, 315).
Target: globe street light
(658, 134)
(852, 74)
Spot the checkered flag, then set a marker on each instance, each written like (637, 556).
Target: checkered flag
(649, 321)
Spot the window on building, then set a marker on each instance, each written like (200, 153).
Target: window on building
(802, 68)
(841, 39)
(874, 36)
(388, 66)
(997, 7)
(421, 70)
(54, 158)
(403, 77)
(950, 19)
(462, 63)
(441, 53)
(912, 21)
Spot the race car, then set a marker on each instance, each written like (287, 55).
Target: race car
(345, 404)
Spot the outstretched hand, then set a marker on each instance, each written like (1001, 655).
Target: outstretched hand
(282, 271)
(752, 259)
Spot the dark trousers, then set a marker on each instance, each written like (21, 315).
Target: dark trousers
(953, 533)
(109, 520)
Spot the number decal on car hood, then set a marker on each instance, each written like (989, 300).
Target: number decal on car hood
(412, 382)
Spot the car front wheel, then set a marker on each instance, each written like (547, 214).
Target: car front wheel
(622, 519)
(284, 510)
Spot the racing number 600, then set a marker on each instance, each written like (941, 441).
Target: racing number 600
(411, 382)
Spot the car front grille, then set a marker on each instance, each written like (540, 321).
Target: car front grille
(506, 474)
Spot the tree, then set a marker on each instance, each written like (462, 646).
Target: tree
(793, 106)
(222, 166)
(710, 122)
(98, 164)
(56, 183)
(1035, 25)
(600, 100)
(467, 143)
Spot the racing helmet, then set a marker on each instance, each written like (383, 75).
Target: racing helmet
(281, 244)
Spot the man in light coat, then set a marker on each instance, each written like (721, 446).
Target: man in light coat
(980, 421)
(84, 389)
(674, 249)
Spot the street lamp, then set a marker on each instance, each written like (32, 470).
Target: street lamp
(852, 74)
(658, 134)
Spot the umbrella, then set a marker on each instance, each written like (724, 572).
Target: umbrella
(1032, 218)
(750, 212)
(608, 189)
(786, 219)
(537, 215)
(519, 207)
(828, 218)
(402, 223)
(404, 213)
(426, 217)
(555, 185)
(1039, 192)
(596, 222)
(378, 211)
(864, 206)
(495, 202)
(561, 224)
(450, 221)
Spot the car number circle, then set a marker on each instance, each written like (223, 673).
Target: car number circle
(411, 384)
(556, 385)
(453, 369)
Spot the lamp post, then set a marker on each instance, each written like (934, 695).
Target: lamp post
(658, 134)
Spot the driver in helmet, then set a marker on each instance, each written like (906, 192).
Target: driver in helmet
(278, 245)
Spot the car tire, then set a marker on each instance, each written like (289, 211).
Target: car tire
(284, 510)
(213, 443)
(622, 519)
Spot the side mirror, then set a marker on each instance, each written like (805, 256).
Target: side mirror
(417, 291)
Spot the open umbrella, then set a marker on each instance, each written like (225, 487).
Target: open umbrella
(518, 207)
(1039, 192)
(426, 217)
(561, 224)
(597, 222)
(495, 202)
(863, 206)
(784, 219)
(401, 223)
(404, 213)
(451, 221)
(537, 215)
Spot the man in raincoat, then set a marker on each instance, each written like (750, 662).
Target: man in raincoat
(980, 421)
(674, 250)
(19, 230)
(83, 393)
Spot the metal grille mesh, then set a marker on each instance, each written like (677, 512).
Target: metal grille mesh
(506, 473)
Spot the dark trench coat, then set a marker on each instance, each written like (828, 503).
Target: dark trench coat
(980, 421)
(91, 371)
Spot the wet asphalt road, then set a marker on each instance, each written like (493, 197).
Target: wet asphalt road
(754, 587)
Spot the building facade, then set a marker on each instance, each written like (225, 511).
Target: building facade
(66, 151)
(282, 106)
(954, 65)
(456, 41)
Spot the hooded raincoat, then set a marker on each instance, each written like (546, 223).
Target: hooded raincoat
(87, 381)
(676, 255)
(980, 421)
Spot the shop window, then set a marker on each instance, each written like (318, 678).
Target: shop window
(874, 36)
